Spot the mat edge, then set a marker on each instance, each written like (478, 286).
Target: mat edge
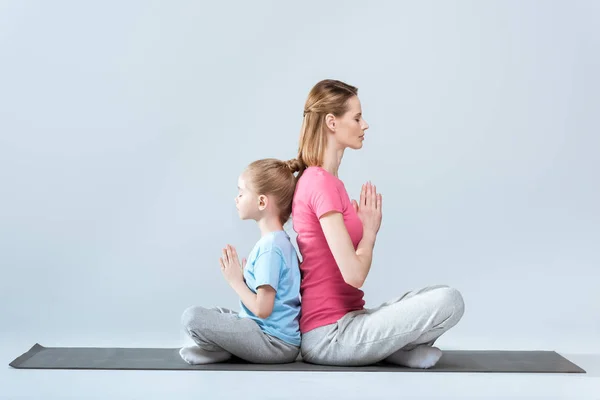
(18, 362)
(581, 370)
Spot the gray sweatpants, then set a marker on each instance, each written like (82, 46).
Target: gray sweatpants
(221, 329)
(371, 335)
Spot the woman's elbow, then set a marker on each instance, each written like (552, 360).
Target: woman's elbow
(354, 281)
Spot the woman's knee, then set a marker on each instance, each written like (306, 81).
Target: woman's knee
(452, 299)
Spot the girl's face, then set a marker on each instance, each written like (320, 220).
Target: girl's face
(349, 129)
(247, 202)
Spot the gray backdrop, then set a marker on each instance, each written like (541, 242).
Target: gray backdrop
(124, 126)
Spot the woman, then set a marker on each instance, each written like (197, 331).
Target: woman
(336, 238)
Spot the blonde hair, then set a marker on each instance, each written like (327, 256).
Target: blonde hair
(328, 96)
(273, 177)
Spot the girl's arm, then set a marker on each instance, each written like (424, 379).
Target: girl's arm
(261, 303)
(354, 264)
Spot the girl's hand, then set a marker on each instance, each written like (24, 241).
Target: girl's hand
(230, 266)
(369, 209)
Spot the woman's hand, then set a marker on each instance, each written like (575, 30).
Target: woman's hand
(230, 266)
(369, 208)
(354, 263)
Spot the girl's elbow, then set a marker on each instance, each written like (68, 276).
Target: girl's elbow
(264, 313)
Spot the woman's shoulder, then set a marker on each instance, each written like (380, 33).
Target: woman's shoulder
(314, 178)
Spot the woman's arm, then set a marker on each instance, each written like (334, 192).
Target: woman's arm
(354, 264)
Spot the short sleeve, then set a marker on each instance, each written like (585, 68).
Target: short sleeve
(325, 197)
(267, 269)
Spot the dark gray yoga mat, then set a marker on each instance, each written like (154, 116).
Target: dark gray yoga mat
(40, 357)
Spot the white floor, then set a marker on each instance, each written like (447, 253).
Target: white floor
(69, 384)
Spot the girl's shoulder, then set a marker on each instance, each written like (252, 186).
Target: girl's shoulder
(277, 241)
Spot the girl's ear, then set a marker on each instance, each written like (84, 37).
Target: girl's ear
(262, 202)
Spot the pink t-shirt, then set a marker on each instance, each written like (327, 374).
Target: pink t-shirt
(325, 296)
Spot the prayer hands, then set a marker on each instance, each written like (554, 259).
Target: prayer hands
(230, 265)
(369, 209)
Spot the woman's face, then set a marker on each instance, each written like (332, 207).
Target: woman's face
(349, 129)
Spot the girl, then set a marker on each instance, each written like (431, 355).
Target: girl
(266, 329)
(336, 238)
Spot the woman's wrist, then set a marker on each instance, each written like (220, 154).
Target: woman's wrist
(369, 237)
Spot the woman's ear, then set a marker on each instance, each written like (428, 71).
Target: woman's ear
(330, 122)
(262, 202)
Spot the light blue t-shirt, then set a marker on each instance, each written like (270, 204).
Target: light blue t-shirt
(273, 261)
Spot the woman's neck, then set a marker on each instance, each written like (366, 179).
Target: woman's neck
(268, 224)
(332, 159)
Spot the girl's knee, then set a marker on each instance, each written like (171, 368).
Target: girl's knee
(192, 316)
